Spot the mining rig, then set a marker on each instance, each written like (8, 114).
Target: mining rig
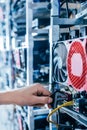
(68, 66)
(69, 82)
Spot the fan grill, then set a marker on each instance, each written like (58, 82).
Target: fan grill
(59, 62)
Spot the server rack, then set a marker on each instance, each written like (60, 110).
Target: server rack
(70, 23)
(22, 21)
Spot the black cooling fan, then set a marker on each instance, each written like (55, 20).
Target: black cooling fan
(59, 62)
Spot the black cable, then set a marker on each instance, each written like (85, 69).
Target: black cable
(67, 9)
(62, 3)
(58, 7)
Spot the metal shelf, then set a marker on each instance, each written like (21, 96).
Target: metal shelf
(38, 5)
(68, 22)
(82, 11)
(40, 9)
(18, 48)
(40, 13)
(82, 14)
(41, 111)
(77, 116)
(40, 33)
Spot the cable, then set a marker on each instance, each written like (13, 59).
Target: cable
(54, 110)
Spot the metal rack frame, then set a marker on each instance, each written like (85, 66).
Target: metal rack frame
(30, 14)
(56, 22)
(29, 41)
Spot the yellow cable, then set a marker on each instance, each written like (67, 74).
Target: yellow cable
(54, 110)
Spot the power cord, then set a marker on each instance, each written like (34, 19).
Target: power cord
(56, 109)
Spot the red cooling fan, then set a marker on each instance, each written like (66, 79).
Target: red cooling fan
(76, 65)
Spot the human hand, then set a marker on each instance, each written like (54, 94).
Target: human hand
(34, 95)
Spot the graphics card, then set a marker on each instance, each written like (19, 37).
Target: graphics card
(69, 81)
(69, 63)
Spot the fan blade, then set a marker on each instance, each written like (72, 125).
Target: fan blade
(62, 76)
(64, 65)
(55, 60)
(64, 71)
(58, 77)
(59, 62)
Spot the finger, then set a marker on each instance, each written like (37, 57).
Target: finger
(41, 100)
(44, 91)
(38, 105)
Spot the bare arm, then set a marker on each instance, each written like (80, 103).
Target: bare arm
(34, 95)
